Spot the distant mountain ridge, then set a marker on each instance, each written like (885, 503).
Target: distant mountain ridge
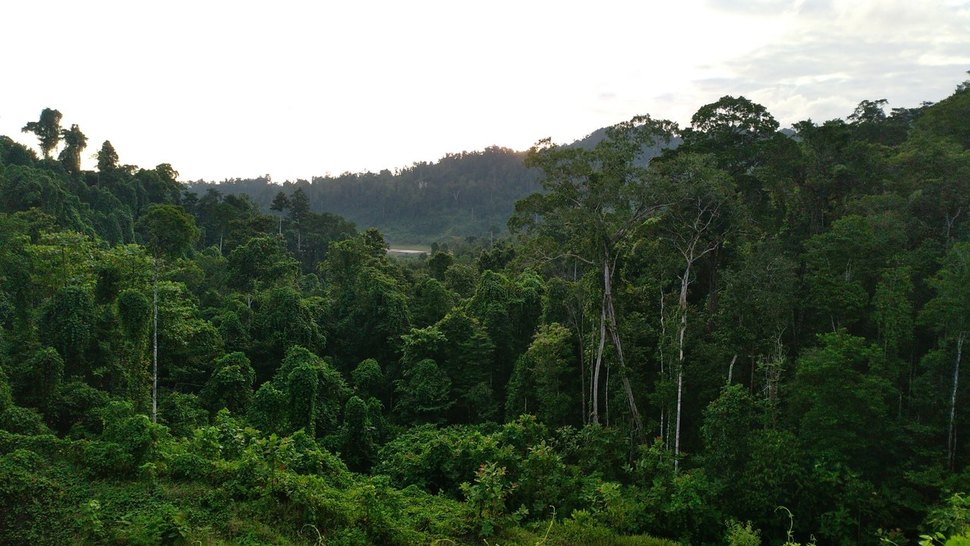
(467, 194)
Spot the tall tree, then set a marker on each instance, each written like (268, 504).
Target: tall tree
(107, 157)
(74, 143)
(594, 200)
(949, 314)
(734, 129)
(168, 231)
(47, 129)
(694, 222)
(280, 203)
(299, 211)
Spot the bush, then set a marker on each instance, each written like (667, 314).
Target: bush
(159, 524)
(486, 498)
(22, 421)
(182, 413)
(106, 460)
(27, 494)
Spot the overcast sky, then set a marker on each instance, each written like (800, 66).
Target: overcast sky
(297, 89)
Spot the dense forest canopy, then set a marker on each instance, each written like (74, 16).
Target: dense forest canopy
(724, 333)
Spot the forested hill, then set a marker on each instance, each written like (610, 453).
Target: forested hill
(468, 194)
(465, 194)
(759, 337)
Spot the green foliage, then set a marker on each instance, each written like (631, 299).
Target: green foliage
(74, 143)
(134, 311)
(424, 394)
(438, 263)
(47, 129)
(168, 231)
(463, 194)
(739, 534)
(107, 158)
(306, 393)
(301, 388)
(267, 411)
(127, 442)
(953, 518)
(486, 498)
(21, 420)
(729, 422)
(283, 320)
(27, 493)
(76, 409)
(67, 324)
(46, 372)
(358, 436)
(430, 303)
(231, 384)
(842, 262)
(367, 378)
(836, 379)
(261, 262)
(461, 279)
(182, 413)
(538, 382)
(811, 357)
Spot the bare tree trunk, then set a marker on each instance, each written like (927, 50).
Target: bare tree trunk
(606, 394)
(155, 344)
(951, 441)
(773, 366)
(595, 387)
(682, 307)
(731, 368)
(615, 335)
(660, 346)
(582, 372)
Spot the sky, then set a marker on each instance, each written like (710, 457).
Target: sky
(296, 89)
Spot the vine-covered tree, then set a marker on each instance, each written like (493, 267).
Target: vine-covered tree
(74, 143)
(47, 129)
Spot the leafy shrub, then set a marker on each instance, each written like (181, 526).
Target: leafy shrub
(160, 524)
(22, 421)
(739, 534)
(27, 493)
(486, 498)
(106, 459)
(76, 409)
(182, 413)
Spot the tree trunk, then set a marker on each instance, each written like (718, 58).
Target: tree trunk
(615, 336)
(606, 394)
(663, 377)
(951, 440)
(582, 377)
(155, 344)
(682, 307)
(595, 386)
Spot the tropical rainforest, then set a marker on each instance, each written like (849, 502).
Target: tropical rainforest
(726, 333)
